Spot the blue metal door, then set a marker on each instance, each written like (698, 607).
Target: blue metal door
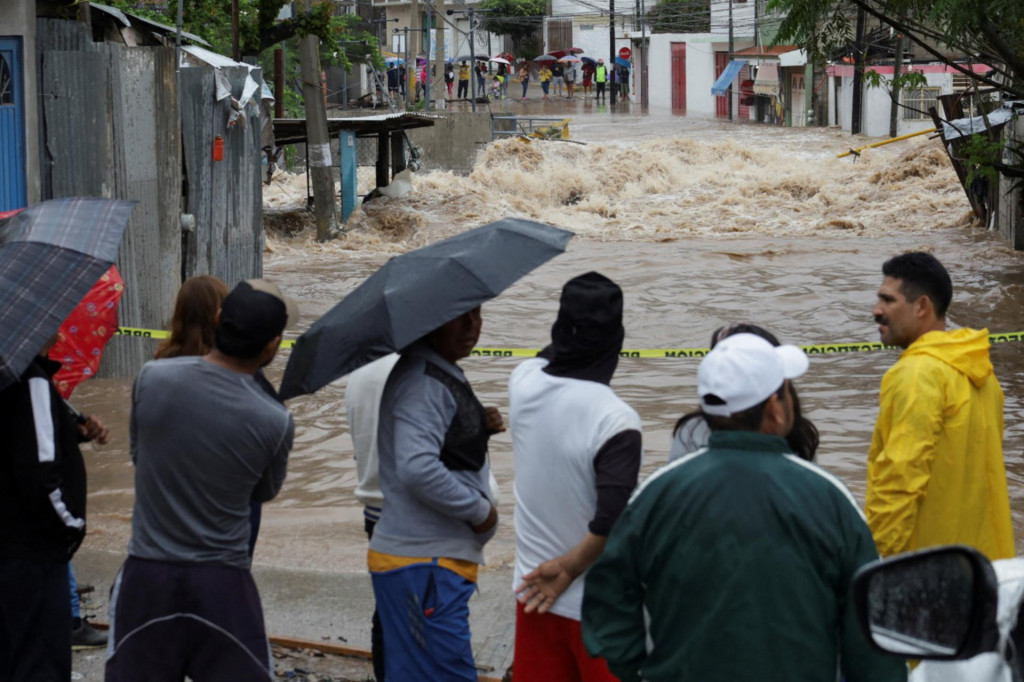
(12, 126)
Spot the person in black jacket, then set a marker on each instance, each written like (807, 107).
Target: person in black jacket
(42, 521)
(393, 80)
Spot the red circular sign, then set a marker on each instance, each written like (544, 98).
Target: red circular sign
(625, 53)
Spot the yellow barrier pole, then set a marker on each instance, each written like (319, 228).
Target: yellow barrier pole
(884, 142)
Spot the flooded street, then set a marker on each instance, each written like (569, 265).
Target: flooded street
(701, 223)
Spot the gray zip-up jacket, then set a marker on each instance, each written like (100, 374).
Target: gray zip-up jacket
(430, 505)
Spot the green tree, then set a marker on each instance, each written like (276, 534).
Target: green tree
(518, 19)
(680, 16)
(345, 39)
(991, 32)
(258, 27)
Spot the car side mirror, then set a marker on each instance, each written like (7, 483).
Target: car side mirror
(934, 604)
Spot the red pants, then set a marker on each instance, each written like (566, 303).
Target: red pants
(549, 648)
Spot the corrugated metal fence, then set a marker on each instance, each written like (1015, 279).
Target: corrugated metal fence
(110, 127)
(224, 196)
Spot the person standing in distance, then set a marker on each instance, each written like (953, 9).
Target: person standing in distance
(935, 468)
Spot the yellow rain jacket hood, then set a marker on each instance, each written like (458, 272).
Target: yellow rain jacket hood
(935, 468)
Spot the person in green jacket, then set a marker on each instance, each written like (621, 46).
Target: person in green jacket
(734, 562)
(601, 78)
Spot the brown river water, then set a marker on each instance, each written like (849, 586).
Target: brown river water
(701, 223)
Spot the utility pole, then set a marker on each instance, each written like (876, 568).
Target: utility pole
(644, 97)
(728, 92)
(611, 48)
(278, 82)
(417, 30)
(177, 42)
(471, 13)
(427, 45)
(439, 56)
(894, 111)
(408, 69)
(472, 59)
(318, 143)
(236, 52)
(858, 74)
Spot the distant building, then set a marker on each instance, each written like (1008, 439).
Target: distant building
(453, 30)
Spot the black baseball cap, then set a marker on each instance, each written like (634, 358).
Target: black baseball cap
(252, 314)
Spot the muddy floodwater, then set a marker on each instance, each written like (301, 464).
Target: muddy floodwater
(701, 223)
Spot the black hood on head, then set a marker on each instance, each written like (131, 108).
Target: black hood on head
(587, 336)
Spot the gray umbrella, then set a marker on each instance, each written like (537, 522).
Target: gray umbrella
(50, 256)
(415, 293)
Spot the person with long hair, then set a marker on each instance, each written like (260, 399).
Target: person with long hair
(193, 327)
(524, 77)
(691, 432)
(195, 317)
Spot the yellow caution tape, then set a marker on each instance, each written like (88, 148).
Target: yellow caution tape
(816, 349)
(163, 334)
(143, 333)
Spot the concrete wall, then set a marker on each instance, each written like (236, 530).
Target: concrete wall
(592, 33)
(877, 104)
(591, 30)
(18, 18)
(454, 140)
(700, 70)
(456, 42)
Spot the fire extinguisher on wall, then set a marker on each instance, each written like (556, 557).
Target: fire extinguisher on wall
(218, 148)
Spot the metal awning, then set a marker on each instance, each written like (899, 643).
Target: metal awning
(767, 82)
(163, 28)
(293, 130)
(724, 81)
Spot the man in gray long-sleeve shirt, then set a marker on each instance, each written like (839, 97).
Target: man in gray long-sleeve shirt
(206, 440)
(437, 513)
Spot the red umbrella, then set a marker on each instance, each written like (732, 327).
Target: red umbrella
(86, 331)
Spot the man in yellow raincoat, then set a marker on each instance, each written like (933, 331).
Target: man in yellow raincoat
(935, 468)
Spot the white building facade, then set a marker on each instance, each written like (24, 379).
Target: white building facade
(682, 67)
(877, 102)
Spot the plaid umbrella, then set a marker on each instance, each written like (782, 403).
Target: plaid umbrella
(50, 256)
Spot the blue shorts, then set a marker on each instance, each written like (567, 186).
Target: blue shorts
(424, 613)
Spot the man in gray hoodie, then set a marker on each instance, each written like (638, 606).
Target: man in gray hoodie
(437, 512)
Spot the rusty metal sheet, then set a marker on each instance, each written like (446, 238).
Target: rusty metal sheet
(225, 196)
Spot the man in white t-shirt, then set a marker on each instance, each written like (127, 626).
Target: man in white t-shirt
(362, 403)
(577, 458)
